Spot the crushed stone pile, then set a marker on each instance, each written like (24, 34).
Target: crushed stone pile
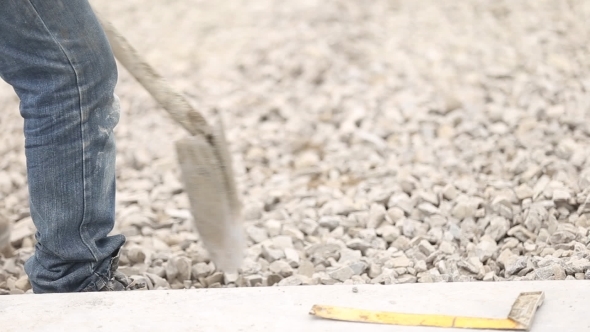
(374, 142)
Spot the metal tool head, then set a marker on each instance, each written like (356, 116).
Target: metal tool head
(204, 160)
(524, 308)
(208, 179)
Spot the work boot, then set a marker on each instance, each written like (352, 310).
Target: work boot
(118, 281)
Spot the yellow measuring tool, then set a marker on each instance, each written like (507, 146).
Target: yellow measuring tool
(519, 319)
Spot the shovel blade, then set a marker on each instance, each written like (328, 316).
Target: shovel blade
(208, 182)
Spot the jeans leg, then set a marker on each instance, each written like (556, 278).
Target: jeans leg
(58, 60)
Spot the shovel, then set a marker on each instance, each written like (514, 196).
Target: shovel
(204, 159)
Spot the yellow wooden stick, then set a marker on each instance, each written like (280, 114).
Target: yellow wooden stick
(519, 318)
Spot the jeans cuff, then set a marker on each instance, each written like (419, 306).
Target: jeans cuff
(102, 279)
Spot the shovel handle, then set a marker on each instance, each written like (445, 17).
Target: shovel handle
(172, 101)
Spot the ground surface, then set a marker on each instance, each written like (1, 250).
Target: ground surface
(389, 142)
(287, 308)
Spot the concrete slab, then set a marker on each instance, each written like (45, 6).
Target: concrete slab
(566, 307)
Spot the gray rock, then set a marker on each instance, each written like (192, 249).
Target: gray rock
(514, 265)
(330, 222)
(435, 234)
(446, 248)
(523, 192)
(253, 280)
(295, 280)
(374, 270)
(306, 268)
(472, 265)
(407, 279)
(497, 228)
(535, 217)
(401, 261)
(250, 266)
(273, 227)
(160, 271)
(184, 268)
(230, 278)
(308, 226)
(22, 283)
(293, 232)
(376, 215)
(552, 272)
(292, 257)
(171, 270)
(521, 233)
(401, 243)
(201, 270)
(450, 192)
(504, 258)
(543, 236)
(325, 279)
(577, 265)
(428, 209)
(387, 277)
(388, 232)
(344, 207)
(273, 279)
(584, 207)
(395, 214)
(380, 196)
(436, 221)
(540, 186)
(257, 234)
(412, 228)
(358, 267)
(463, 209)
(349, 255)
(426, 248)
(429, 277)
(486, 248)
(489, 276)
(529, 246)
(358, 244)
(342, 273)
(282, 268)
(510, 243)
(282, 242)
(548, 261)
(561, 196)
(401, 201)
(271, 254)
(157, 282)
(501, 205)
(428, 197)
(564, 234)
(420, 266)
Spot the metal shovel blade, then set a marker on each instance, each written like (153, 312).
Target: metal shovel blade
(208, 182)
(204, 160)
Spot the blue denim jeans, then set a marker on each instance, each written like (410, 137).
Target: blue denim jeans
(55, 55)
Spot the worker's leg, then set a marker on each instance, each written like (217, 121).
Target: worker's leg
(56, 57)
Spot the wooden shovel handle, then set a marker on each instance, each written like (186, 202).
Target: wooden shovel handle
(172, 101)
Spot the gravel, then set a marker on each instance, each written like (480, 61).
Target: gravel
(381, 143)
